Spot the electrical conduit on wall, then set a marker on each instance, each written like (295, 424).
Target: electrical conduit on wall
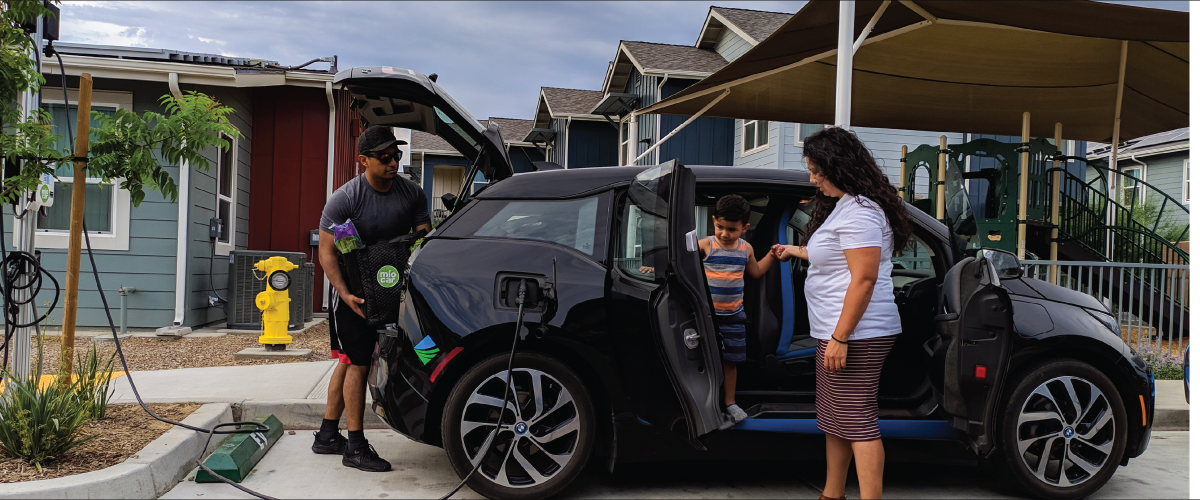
(181, 223)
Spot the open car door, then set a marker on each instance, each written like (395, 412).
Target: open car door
(679, 306)
(400, 97)
(974, 331)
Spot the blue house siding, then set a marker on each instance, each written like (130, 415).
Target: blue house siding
(731, 46)
(521, 156)
(592, 144)
(706, 141)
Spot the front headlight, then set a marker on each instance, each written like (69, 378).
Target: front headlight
(1107, 320)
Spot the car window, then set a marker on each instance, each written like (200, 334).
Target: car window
(580, 224)
(913, 262)
(640, 247)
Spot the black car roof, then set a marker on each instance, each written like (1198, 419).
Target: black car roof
(572, 182)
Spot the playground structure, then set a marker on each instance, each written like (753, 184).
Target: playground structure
(1068, 216)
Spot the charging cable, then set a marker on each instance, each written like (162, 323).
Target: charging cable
(512, 353)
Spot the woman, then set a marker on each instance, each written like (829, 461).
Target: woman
(857, 220)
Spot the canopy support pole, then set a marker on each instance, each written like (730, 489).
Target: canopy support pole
(903, 172)
(1055, 198)
(845, 64)
(941, 181)
(1116, 140)
(680, 127)
(1023, 196)
(862, 37)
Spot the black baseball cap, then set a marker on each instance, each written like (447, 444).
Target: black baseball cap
(377, 138)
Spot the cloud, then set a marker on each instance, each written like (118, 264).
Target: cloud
(104, 33)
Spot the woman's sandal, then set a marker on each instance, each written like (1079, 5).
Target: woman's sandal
(823, 497)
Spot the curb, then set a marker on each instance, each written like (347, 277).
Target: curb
(152, 472)
(298, 413)
(1171, 419)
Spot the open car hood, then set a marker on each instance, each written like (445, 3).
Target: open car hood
(400, 97)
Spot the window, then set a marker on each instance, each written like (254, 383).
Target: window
(580, 224)
(641, 247)
(803, 130)
(1131, 189)
(913, 262)
(106, 207)
(754, 136)
(1187, 181)
(226, 171)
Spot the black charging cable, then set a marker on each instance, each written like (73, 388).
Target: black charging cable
(512, 353)
(222, 429)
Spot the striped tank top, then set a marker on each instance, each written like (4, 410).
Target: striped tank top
(725, 269)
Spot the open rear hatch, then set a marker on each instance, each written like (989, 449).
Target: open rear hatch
(400, 97)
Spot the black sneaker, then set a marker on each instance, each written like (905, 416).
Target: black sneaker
(365, 458)
(335, 445)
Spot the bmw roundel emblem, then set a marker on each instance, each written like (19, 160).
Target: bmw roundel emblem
(521, 428)
(1068, 433)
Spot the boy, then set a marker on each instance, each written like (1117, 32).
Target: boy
(727, 258)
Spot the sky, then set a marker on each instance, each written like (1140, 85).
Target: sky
(491, 56)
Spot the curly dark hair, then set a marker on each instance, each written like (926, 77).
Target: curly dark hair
(838, 156)
(732, 208)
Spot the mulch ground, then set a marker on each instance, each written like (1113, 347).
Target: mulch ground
(121, 434)
(156, 354)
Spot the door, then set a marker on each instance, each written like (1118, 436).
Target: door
(975, 331)
(680, 313)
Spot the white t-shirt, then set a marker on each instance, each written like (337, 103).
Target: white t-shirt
(856, 222)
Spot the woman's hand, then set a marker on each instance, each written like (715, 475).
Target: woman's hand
(785, 252)
(835, 356)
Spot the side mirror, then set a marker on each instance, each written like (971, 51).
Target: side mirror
(448, 201)
(1005, 263)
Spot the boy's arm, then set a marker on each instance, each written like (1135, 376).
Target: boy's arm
(757, 268)
(703, 246)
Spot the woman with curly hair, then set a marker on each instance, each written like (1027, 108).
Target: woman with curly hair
(857, 221)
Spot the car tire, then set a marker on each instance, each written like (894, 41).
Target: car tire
(553, 441)
(1041, 430)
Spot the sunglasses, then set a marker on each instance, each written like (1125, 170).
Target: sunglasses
(387, 158)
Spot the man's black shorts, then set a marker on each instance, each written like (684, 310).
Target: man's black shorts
(351, 338)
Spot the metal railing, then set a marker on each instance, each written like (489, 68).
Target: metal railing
(1150, 301)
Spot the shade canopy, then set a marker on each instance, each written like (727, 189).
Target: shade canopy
(965, 66)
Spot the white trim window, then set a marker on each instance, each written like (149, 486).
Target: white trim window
(754, 136)
(106, 209)
(803, 130)
(1132, 191)
(623, 140)
(1187, 181)
(226, 206)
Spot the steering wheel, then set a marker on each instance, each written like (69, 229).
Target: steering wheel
(910, 274)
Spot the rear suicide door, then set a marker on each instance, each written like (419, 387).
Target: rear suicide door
(679, 308)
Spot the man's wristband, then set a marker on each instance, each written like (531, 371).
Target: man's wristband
(839, 340)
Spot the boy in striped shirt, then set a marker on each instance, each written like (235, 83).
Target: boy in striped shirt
(727, 258)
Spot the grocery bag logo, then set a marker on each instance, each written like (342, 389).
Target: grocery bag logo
(426, 350)
(388, 276)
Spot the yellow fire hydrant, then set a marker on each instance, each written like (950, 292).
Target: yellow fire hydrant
(274, 303)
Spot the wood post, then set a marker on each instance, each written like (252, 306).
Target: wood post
(903, 172)
(1023, 197)
(1055, 199)
(941, 180)
(78, 190)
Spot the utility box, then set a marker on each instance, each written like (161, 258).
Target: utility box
(244, 286)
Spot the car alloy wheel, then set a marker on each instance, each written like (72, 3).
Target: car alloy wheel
(545, 435)
(1064, 429)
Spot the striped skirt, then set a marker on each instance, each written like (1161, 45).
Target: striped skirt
(848, 401)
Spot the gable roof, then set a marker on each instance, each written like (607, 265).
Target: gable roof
(513, 130)
(658, 59)
(759, 24)
(556, 102)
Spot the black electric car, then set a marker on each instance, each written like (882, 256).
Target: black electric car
(620, 365)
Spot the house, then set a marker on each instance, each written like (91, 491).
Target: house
(439, 168)
(569, 133)
(1163, 162)
(294, 126)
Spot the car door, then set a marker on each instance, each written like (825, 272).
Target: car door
(974, 338)
(680, 312)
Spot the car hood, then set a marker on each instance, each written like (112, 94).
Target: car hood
(401, 97)
(1038, 289)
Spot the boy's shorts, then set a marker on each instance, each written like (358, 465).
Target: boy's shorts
(733, 335)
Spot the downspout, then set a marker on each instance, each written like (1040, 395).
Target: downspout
(329, 175)
(181, 224)
(567, 145)
(1145, 175)
(658, 129)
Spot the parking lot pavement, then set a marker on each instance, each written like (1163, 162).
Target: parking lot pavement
(290, 470)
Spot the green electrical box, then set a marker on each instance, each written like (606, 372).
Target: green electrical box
(238, 455)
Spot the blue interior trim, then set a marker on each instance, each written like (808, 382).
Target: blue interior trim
(912, 429)
(811, 351)
(788, 322)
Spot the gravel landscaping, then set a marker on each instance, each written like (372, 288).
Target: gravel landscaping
(158, 354)
(124, 431)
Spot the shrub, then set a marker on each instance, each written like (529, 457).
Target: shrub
(1164, 365)
(91, 382)
(40, 423)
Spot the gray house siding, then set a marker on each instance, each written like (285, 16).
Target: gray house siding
(559, 146)
(1165, 172)
(646, 88)
(731, 46)
(766, 158)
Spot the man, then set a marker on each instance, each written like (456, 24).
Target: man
(382, 206)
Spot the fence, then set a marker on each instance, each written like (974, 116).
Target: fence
(1150, 301)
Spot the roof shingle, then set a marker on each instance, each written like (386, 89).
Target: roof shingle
(756, 23)
(659, 56)
(571, 101)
